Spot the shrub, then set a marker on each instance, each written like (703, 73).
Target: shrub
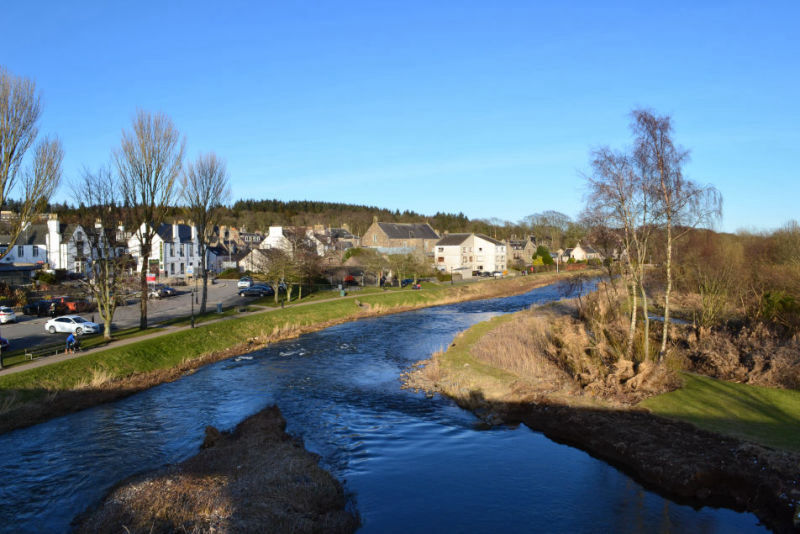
(350, 252)
(544, 253)
(781, 309)
(45, 277)
(443, 277)
(571, 260)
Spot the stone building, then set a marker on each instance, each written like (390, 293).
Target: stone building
(400, 238)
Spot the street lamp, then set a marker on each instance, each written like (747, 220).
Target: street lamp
(193, 310)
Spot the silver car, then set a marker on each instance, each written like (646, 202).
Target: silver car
(7, 315)
(71, 323)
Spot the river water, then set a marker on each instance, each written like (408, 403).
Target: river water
(412, 464)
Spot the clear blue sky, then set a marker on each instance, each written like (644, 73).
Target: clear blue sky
(490, 108)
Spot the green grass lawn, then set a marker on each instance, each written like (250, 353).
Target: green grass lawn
(764, 415)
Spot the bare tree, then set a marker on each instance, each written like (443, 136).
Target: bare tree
(681, 204)
(20, 110)
(619, 196)
(149, 161)
(205, 188)
(99, 196)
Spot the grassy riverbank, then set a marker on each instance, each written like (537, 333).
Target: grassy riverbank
(763, 415)
(504, 371)
(34, 395)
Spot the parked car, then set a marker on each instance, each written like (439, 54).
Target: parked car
(71, 323)
(498, 274)
(7, 315)
(244, 282)
(406, 281)
(73, 304)
(161, 290)
(4, 344)
(486, 274)
(38, 308)
(350, 280)
(257, 290)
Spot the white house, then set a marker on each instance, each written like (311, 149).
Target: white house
(579, 253)
(67, 246)
(469, 252)
(30, 248)
(175, 252)
(276, 239)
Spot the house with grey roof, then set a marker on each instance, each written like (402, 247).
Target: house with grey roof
(30, 247)
(465, 253)
(68, 247)
(175, 250)
(400, 238)
(580, 253)
(521, 250)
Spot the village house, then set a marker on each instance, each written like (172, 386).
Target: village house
(175, 251)
(277, 239)
(30, 247)
(521, 250)
(400, 238)
(579, 253)
(67, 246)
(466, 253)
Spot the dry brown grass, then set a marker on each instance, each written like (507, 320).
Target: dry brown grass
(98, 378)
(255, 480)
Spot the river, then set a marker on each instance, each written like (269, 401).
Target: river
(410, 463)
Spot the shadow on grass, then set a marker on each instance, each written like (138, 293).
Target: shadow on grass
(676, 459)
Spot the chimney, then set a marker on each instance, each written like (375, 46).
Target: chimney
(374, 219)
(175, 238)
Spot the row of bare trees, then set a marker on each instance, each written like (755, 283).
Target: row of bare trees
(146, 177)
(639, 201)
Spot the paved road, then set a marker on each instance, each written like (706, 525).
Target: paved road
(29, 331)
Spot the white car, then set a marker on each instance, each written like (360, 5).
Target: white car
(244, 282)
(7, 315)
(71, 323)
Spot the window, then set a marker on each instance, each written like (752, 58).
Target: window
(441, 249)
(463, 249)
(480, 249)
(171, 249)
(181, 268)
(374, 238)
(35, 251)
(441, 259)
(171, 268)
(20, 251)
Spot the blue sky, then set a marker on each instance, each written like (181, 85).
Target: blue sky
(490, 108)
